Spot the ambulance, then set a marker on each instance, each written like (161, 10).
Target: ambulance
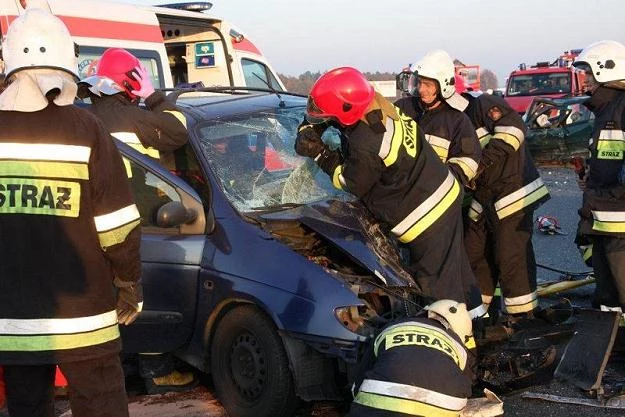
(180, 44)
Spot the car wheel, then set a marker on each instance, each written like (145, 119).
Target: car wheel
(250, 367)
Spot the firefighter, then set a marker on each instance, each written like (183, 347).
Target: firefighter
(418, 366)
(508, 188)
(603, 206)
(69, 253)
(385, 161)
(449, 132)
(115, 90)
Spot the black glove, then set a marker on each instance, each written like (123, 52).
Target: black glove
(308, 142)
(129, 301)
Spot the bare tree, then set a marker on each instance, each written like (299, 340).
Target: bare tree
(488, 79)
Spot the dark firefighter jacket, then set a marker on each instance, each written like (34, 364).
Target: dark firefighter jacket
(162, 128)
(69, 226)
(396, 174)
(418, 369)
(603, 209)
(450, 133)
(509, 179)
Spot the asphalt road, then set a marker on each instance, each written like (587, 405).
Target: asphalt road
(552, 251)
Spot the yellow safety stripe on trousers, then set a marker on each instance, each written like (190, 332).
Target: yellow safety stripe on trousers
(608, 221)
(420, 334)
(521, 304)
(586, 252)
(429, 211)
(466, 164)
(440, 146)
(523, 197)
(178, 115)
(337, 178)
(42, 343)
(402, 132)
(113, 228)
(400, 405)
(40, 197)
(45, 169)
(610, 144)
(45, 152)
(483, 135)
(411, 392)
(131, 139)
(511, 135)
(475, 210)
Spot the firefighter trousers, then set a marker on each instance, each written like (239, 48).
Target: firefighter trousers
(608, 261)
(501, 252)
(96, 388)
(439, 263)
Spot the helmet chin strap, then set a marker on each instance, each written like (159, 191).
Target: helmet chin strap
(431, 105)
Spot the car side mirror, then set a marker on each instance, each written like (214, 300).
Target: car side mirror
(174, 214)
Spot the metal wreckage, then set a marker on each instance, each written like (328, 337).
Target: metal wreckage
(563, 341)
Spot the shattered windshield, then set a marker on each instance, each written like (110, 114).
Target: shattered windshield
(254, 159)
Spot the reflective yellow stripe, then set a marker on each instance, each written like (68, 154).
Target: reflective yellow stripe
(117, 218)
(440, 146)
(178, 115)
(41, 343)
(337, 178)
(421, 334)
(115, 236)
(609, 221)
(521, 304)
(45, 152)
(414, 393)
(470, 343)
(131, 139)
(475, 210)
(44, 169)
(610, 144)
(400, 405)
(429, 211)
(523, 197)
(402, 132)
(57, 326)
(483, 136)
(466, 164)
(586, 252)
(38, 196)
(513, 136)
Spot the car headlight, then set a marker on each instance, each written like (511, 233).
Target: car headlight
(356, 319)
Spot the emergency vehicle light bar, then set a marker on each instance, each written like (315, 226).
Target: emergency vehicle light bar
(198, 6)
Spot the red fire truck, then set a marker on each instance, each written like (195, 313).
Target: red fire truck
(556, 79)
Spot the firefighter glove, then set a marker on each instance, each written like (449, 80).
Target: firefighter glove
(142, 76)
(129, 301)
(308, 142)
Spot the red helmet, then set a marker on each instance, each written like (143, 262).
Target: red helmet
(460, 84)
(114, 73)
(343, 94)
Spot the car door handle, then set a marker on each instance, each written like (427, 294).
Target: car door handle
(159, 317)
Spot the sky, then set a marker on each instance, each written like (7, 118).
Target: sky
(385, 35)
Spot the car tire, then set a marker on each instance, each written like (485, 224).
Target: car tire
(250, 367)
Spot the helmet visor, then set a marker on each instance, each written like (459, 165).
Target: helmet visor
(102, 85)
(413, 84)
(314, 115)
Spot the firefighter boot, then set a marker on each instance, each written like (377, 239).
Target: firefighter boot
(174, 381)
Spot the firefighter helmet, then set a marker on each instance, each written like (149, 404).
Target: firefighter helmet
(437, 65)
(115, 73)
(455, 314)
(342, 94)
(38, 39)
(606, 59)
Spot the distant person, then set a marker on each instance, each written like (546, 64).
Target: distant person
(603, 206)
(115, 90)
(69, 257)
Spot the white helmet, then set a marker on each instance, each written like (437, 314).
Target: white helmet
(455, 314)
(606, 59)
(38, 39)
(438, 65)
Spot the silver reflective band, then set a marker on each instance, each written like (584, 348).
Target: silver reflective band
(609, 216)
(69, 153)
(511, 130)
(410, 392)
(126, 137)
(57, 326)
(438, 141)
(387, 138)
(482, 131)
(610, 134)
(518, 194)
(117, 218)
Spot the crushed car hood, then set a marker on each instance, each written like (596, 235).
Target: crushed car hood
(350, 227)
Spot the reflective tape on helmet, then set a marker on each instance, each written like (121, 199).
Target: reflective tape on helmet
(440, 146)
(608, 221)
(521, 198)
(511, 135)
(428, 212)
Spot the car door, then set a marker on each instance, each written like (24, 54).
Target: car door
(170, 257)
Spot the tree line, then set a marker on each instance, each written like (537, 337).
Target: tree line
(304, 82)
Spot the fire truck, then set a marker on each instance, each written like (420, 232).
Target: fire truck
(470, 74)
(545, 79)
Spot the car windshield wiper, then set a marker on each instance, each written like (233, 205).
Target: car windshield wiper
(282, 206)
(273, 90)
